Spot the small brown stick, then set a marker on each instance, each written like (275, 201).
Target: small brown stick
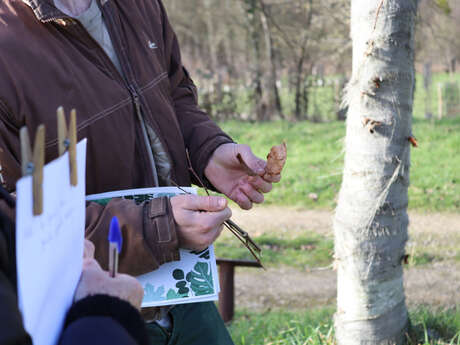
(245, 166)
(377, 14)
(246, 240)
(244, 235)
(194, 173)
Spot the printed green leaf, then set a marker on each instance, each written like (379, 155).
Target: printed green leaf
(178, 274)
(174, 295)
(151, 294)
(201, 279)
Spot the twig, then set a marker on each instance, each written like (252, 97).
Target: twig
(194, 173)
(377, 14)
(239, 233)
(247, 169)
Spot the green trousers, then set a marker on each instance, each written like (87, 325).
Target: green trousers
(193, 324)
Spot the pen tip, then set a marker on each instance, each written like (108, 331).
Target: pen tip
(115, 233)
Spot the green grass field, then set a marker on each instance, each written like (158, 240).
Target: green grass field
(315, 161)
(315, 327)
(303, 252)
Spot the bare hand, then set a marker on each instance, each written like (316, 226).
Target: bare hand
(230, 177)
(199, 218)
(94, 281)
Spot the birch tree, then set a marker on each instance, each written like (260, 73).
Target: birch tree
(370, 222)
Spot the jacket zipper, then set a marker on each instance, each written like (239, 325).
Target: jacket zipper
(134, 93)
(138, 111)
(134, 96)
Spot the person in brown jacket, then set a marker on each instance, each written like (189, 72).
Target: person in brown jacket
(118, 63)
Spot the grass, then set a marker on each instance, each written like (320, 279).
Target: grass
(303, 252)
(315, 161)
(307, 251)
(316, 327)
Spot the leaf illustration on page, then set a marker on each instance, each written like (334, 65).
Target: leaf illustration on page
(204, 254)
(174, 295)
(201, 279)
(151, 294)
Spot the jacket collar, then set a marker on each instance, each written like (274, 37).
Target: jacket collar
(44, 10)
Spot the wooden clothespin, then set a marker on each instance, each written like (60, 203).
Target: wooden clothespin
(67, 141)
(32, 163)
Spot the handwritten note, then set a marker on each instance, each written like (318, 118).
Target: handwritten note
(49, 247)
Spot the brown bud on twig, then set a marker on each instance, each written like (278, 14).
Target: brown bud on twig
(413, 141)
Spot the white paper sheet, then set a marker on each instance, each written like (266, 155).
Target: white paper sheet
(49, 247)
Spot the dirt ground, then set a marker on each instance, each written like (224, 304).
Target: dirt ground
(435, 284)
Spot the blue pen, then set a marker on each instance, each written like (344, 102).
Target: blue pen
(115, 243)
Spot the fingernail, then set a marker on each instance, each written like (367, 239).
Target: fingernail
(222, 202)
(261, 167)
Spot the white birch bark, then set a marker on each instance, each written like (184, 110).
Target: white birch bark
(370, 222)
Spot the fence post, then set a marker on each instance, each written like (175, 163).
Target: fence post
(427, 85)
(440, 101)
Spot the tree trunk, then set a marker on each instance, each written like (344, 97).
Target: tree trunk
(259, 100)
(216, 76)
(273, 99)
(371, 218)
(298, 91)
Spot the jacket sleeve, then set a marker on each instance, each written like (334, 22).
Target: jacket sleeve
(148, 229)
(103, 319)
(10, 150)
(149, 235)
(12, 330)
(201, 135)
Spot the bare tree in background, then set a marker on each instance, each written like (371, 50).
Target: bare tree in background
(438, 33)
(247, 50)
(371, 219)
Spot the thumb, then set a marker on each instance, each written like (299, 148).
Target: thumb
(207, 203)
(252, 161)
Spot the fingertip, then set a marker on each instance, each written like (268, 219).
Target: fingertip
(245, 205)
(222, 202)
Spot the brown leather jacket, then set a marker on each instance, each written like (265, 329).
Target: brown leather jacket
(48, 60)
